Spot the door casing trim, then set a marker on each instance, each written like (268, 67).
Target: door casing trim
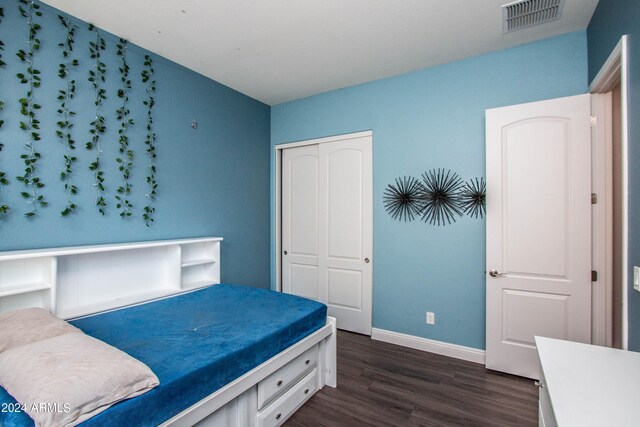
(614, 70)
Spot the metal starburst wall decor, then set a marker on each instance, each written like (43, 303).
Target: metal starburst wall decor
(402, 199)
(437, 198)
(473, 197)
(440, 196)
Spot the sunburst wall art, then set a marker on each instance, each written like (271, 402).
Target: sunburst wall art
(472, 198)
(440, 196)
(402, 199)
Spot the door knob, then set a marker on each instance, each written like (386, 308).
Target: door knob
(285, 252)
(494, 273)
(366, 260)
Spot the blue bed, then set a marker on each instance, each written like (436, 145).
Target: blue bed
(195, 343)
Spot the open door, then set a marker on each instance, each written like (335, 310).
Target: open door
(538, 229)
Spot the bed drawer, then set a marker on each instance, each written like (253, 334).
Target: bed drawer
(280, 410)
(278, 382)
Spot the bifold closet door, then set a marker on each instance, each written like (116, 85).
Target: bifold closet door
(327, 227)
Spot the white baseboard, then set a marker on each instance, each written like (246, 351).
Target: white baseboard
(432, 346)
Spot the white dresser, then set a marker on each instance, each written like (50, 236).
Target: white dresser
(587, 385)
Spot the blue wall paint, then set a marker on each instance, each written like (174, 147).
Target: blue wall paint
(212, 180)
(429, 119)
(611, 20)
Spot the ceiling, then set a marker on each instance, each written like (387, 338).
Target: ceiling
(279, 50)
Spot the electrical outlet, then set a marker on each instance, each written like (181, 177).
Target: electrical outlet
(636, 278)
(431, 318)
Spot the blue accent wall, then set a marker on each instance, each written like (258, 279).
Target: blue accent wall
(433, 118)
(213, 180)
(611, 20)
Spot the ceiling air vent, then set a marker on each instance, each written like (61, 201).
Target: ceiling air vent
(526, 13)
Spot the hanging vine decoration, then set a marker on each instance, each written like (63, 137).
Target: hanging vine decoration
(150, 142)
(125, 160)
(472, 197)
(30, 124)
(440, 196)
(4, 208)
(402, 200)
(98, 126)
(65, 125)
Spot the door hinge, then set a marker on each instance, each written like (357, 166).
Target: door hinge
(594, 121)
(594, 276)
(594, 198)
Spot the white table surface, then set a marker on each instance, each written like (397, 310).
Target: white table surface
(590, 385)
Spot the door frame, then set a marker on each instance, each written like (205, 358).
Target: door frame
(278, 192)
(612, 72)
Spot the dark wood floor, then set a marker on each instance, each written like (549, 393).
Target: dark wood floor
(383, 384)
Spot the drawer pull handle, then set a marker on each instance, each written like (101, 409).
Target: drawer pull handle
(278, 416)
(279, 383)
(306, 391)
(539, 384)
(306, 362)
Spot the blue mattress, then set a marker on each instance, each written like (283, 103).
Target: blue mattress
(195, 343)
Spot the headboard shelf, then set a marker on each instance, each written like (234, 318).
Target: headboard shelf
(75, 250)
(81, 280)
(23, 288)
(198, 262)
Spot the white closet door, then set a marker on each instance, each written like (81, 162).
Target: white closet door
(300, 221)
(327, 227)
(345, 231)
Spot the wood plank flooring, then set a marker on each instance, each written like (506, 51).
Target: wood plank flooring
(382, 384)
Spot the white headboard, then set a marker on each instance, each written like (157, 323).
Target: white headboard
(76, 281)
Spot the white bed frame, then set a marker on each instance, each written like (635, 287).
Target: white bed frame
(79, 281)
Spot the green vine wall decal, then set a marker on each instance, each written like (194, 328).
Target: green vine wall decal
(150, 142)
(65, 125)
(28, 107)
(125, 161)
(98, 125)
(4, 208)
(35, 60)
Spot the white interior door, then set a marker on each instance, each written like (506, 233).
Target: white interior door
(300, 166)
(538, 229)
(327, 227)
(346, 223)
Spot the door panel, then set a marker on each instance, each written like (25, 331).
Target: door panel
(346, 227)
(518, 330)
(528, 146)
(538, 229)
(304, 280)
(300, 221)
(344, 288)
(303, 204)
(345, 198)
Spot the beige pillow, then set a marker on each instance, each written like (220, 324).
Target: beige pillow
(77, 375)
(31, 324)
